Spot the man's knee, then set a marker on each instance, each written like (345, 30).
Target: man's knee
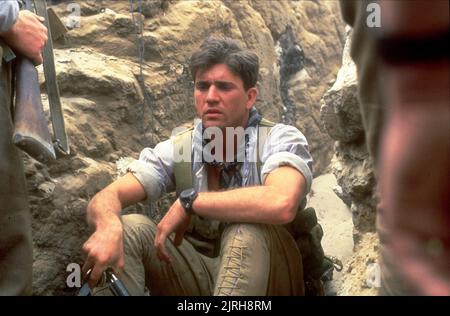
(242, 229)
(246, 235)
(137, 228)
(131, 221)
(244, 261)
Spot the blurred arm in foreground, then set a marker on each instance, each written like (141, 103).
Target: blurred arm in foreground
(403, 79)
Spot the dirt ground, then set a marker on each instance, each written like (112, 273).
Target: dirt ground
(359, 274)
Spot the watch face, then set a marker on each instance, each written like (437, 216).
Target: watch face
(187, 197)
(187, 193)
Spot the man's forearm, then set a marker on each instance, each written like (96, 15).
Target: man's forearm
(103, 209)
(259, 204)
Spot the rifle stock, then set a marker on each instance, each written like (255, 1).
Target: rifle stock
(31, 133)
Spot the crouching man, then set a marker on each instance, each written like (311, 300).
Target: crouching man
(227, 222)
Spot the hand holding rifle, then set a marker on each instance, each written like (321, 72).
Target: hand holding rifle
(27, 36)
(31, 40)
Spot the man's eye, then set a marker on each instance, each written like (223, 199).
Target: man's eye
(224, 86)
(202, 86)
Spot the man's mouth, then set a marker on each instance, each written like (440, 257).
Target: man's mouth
(212, 112)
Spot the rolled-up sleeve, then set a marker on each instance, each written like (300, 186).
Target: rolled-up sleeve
(9, 11)
(154, 170)
(287, 146)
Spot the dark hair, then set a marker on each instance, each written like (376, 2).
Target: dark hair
(242, 62)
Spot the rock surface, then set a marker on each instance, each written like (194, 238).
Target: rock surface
(360, 273)
(352, 166)
(336, 221)
(99, 67)
(339, 110)
(351, 162)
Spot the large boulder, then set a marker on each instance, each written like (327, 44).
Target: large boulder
(340, 107)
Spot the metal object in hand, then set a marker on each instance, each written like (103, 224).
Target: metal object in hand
(110, 280)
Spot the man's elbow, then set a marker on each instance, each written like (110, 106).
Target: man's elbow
(287, 210)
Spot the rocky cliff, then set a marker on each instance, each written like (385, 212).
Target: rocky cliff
(111, 113)
(352, 166)
(351, 163)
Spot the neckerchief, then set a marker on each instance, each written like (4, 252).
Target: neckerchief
(229, 174)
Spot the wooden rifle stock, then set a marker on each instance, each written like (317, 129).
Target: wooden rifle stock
(31, 133)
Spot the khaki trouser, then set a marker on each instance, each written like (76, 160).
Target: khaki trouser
(254, 260)
(16, 255)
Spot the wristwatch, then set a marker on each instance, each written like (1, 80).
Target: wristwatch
(187, 198)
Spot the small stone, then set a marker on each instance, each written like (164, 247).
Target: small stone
(47, 188)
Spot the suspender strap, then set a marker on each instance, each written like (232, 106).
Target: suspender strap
(183, 169)
(264, 128)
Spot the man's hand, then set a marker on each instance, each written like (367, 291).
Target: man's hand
(104, 249)
(176, 220)
(27, 36)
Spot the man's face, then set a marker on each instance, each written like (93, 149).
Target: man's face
(221, 99)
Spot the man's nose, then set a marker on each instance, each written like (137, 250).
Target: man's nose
(212, 95)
